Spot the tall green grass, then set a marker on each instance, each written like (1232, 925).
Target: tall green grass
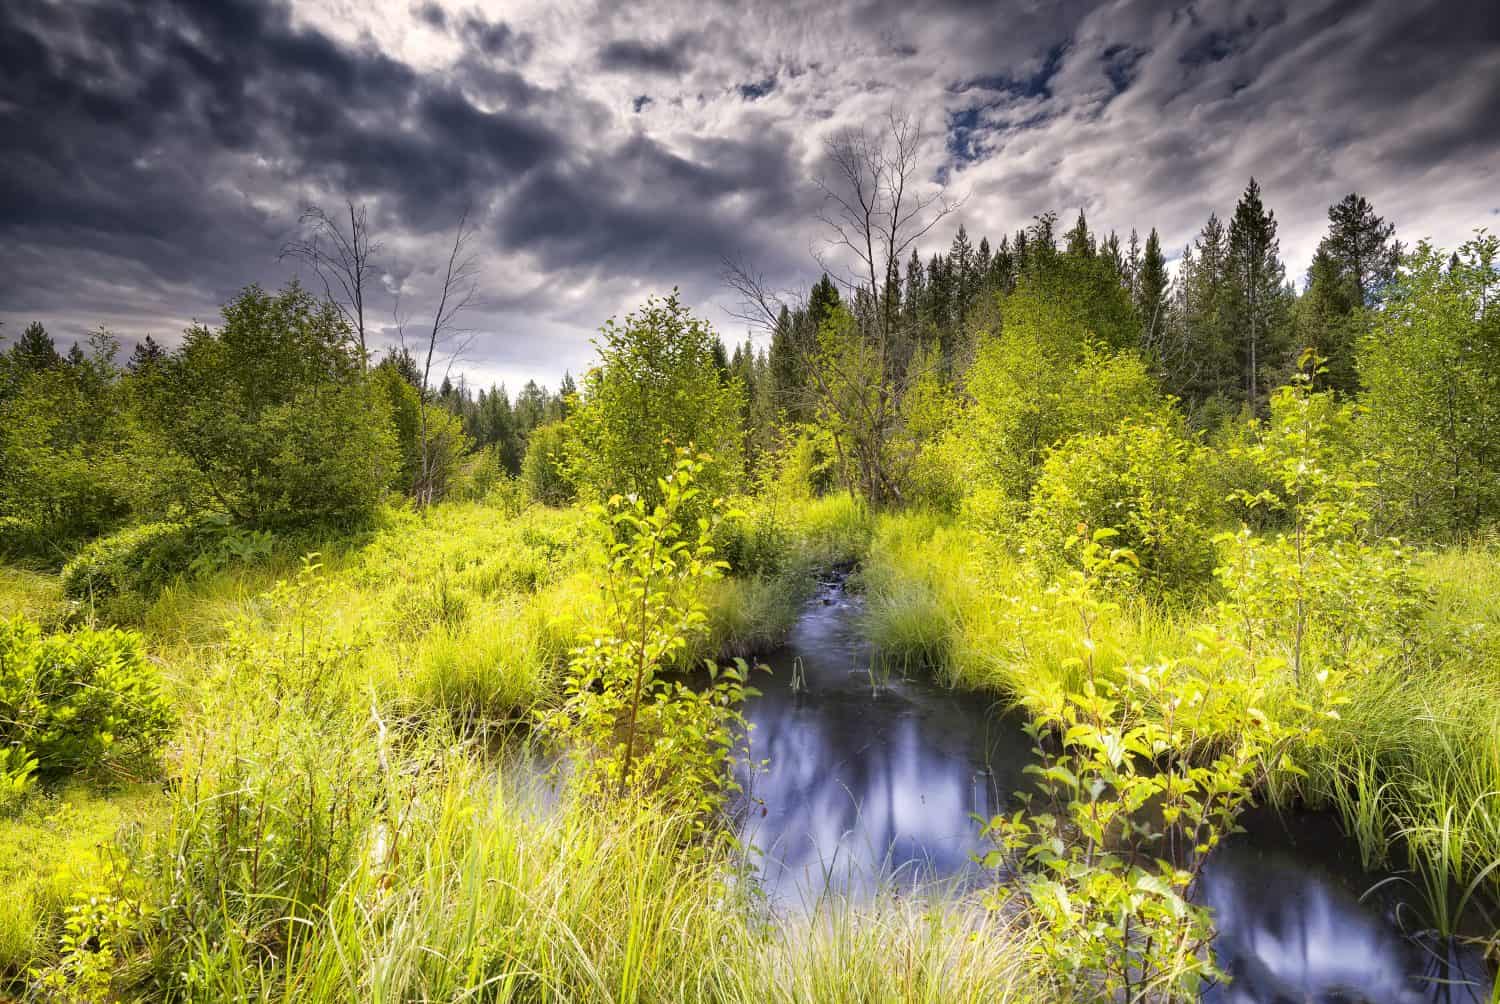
(474, 889)
(1412, 764)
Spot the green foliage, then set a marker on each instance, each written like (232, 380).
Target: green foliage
(656, 390)
(545, 473)
(82, 700)
(1037, 382)
(446, 441)
(17, 778)
(631, 733)
(1146, 482)
(1322, 573)
(59, 845)
(276, 415)
(1143, 770)
(102, 922)
(283, 786)
(1431, 371)
(139, 559)
(71, 465)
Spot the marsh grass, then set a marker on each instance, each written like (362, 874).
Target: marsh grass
(481, 889)
(1411, 764)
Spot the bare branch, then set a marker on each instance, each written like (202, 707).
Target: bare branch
(459, 289)
(343, 261)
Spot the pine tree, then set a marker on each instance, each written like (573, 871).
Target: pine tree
(1003, 268)
(1362, 246)
(824, 297)
(1325, 321)
(939, 294)
(1080, 243)
(146, 356)
(1204, 336)
(34, 350)
(1114, 257)
(1256, 283)
(961, 270)
(914, 303)
(1041, 243)
(785, 366)
(1151, 289)
(720, 359)
(1133, 263)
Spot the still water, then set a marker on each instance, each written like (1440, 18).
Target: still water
(871, 781)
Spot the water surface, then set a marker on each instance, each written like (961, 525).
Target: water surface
(870, 781)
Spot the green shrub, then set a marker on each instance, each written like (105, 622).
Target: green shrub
(66, 467)
(656, 389)
(17, 778)
(276, 413)
(544, 477)
(139, 559)
(80, 699)
(1147, 482)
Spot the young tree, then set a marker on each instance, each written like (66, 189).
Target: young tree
(1431, 372)
(67, 470)
(1151, 292)
(876, 211)
(1327, 320)
(273, 411)
(455, 295)
(1362, 247)
(146, 356)
(655, 389)
(34, 350)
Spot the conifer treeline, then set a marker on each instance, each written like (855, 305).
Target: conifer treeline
(491, 419)
(1220, 334)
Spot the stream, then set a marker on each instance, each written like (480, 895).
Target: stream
(857, 782)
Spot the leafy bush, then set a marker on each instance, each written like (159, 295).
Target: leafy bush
(545, 477)
(656, 389)
(276, 414)
(1431, 371)
(1032, 388)
(1142, 773)
(139, 559)
(80, 699)
(17, 777)
(1323, 579)
(1145, 481)
(447, 444)
(631, 733)
(65, 469)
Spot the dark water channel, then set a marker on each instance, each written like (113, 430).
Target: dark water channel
(873, 781)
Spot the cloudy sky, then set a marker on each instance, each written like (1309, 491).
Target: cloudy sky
(156, 152)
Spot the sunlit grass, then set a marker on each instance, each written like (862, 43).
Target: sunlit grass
(1414, 760)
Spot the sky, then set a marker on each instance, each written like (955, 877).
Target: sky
(157, 153)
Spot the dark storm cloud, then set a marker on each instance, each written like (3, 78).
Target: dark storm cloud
(146, 134)
(157, 151)
(647, 209)
(125, 114)
(496, 38)
(634, 55)
(758, 89)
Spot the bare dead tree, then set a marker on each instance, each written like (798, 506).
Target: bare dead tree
(342, 259)
(459, 289)
(876, 209)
